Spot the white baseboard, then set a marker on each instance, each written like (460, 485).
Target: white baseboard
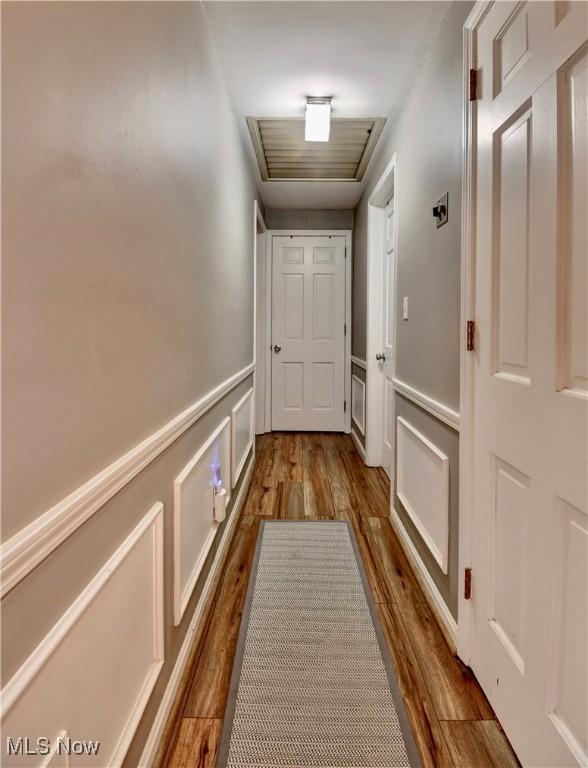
(358, 445)
(154, 738)
(27, 548)
(446, 621)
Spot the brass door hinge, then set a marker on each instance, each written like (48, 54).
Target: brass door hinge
(473, 84)
(471, 330)
(467, 584)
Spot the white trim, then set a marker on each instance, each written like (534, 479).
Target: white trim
(437, 603)
(25, 675)
(359, 362)
(169, 695)
(348, 235)
(183, 592)
(237, 463)
(354, 416)
(442, 412)
(440, 555)
(387, 183)
(259, 382)
(358, 445)
(467, 359)
(27, 548)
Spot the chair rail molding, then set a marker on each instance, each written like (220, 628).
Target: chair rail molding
(441, 411)
(359, 362)
(29, 546)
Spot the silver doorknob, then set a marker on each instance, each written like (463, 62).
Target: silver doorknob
(381, 356)
(277, 348)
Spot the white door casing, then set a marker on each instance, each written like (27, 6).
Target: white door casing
(308, 332)
(530, 526)
(388, 332)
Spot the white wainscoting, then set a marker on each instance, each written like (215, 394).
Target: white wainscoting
(194, 524)
(27, 548)
(157, 729)
(422, 483)
(358, 403)
(94, 672)
(359, 362)
(242, 434)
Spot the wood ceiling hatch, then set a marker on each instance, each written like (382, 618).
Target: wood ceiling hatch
(284, 155)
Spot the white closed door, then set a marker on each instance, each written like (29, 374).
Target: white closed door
(308, 333)
(530, 526)
(386, 361)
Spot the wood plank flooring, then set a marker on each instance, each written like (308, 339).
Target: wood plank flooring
(321, 476)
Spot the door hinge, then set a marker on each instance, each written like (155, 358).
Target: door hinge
(471, 331)
(473, 84)
(345, 329)
(344, 406)
(467, 584)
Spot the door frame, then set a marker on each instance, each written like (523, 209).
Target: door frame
(467, 359)
(259, 322)
(267, 300)
(385, 186)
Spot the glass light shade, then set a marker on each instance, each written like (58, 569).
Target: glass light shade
(317, 125)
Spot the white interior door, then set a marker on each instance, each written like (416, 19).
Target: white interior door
(530, 540)
(387, 360)
(308, 333)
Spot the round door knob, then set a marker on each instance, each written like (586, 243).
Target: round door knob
(277, 348)
(380, 356)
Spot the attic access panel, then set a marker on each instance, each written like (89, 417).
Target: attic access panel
(284, 155)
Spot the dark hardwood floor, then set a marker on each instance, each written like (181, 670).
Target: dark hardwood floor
(322, 476)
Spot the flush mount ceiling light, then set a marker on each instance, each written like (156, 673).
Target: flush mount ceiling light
(284, 155)
(317, 122)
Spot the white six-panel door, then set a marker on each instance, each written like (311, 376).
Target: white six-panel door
(308, 338)
(530, 534)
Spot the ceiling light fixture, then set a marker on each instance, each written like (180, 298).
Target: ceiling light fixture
(317, 123)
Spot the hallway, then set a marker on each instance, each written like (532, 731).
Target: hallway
(272, 261)
(321, 476)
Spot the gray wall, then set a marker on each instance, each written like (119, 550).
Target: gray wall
(127, 275)
(277, 218)
(427, 140)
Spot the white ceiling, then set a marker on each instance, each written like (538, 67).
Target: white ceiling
(364, 54)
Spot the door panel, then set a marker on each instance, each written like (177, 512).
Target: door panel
(530, 546)
(308, 318)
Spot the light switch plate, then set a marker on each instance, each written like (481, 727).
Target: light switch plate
(405, 308)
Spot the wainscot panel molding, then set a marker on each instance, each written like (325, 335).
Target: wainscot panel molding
(440, 608)
(443, 412)
(422, 485)
(242, 433)
(155, 735)
(359, 362)
(358, 403)
(195, 527)
(27, 548)
(94, 672)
